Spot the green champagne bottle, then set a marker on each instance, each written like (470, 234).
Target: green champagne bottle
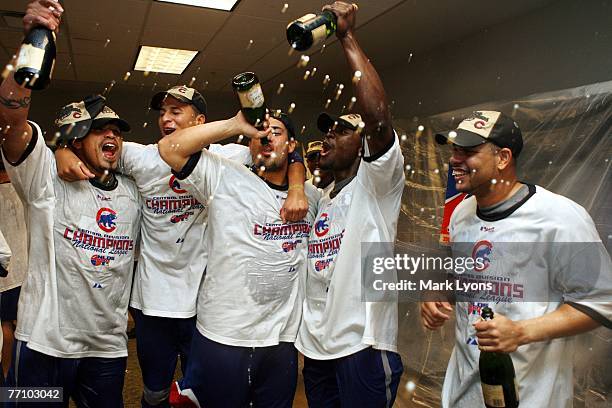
(36, 59)
(497, 377)
(252, 102)
(311, 29)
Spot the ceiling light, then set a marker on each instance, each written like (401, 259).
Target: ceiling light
(163, 60)
(226, 5)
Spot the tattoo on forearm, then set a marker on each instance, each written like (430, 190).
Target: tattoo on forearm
(15, 103)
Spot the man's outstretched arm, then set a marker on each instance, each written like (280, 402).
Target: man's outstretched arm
(368, 89)
(176, 148)
(15, 99)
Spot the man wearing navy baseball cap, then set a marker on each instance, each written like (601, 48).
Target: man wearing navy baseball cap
(350, 345)
(72, 313)
(503, 212)
(482, 127)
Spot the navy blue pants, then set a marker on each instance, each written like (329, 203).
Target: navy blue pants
(221, 376)
(8, 304)
(368, 379)
(90, 381)
(159, 343)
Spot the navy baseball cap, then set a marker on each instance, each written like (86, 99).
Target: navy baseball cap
(482, 127)
(75, 120)
(326, 121)
(182, 93)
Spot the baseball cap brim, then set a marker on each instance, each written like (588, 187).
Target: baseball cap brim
(316, 149)
(463, 138)
(122, 124)
(326, 121)
(158, 99)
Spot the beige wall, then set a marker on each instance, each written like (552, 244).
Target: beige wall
(565, 44)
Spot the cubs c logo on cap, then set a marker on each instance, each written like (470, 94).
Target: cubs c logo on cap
(480, 122)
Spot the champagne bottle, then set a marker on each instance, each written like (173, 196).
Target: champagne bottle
(252, 102)
(311, 29)
(497, 377)
(36, 59)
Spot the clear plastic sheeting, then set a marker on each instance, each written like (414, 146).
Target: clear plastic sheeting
(568, 150)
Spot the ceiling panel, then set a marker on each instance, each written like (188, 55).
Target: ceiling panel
(10, 39)
(106, 14)
(101, 31)
(14, 5)
(272, 10)
(97, 68)
(63, 67)
(388, 30)
(185, 18)
(167, 38)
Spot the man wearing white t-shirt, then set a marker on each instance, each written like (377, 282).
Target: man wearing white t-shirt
(249, 305)
(5, 256)
(323, 179)
(12, 223)
(531, 236)
(173, 255)
(5, 260)
(72, 312)
(349, 344)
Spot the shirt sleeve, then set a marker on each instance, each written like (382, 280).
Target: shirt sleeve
(33, 174)
(202, 173)
(383, 173)
(583, 269)
(5, 253)
(131, 159)
(233, 151)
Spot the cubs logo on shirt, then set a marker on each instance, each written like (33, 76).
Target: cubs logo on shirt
(322, 225)
(176, 186)
(106, 219)
(482, 249)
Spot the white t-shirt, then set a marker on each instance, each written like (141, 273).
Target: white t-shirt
(336, 322)
(5, 253)
(544, 369)
(81, 241)
(252, 293)
(324, 191)
(172, 252)
(12, 224)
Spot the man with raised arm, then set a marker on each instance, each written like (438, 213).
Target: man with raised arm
(172, 257)
(73, 307)
(249, 305)
(349, 344)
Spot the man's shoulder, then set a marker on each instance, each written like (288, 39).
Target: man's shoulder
(313, 193)
(128, 184)
(466, 208)
(557, 206)
(137, 149)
